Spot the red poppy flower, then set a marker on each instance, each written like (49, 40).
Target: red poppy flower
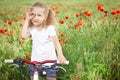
(21, 25)
(114, 12)
(100, 8)
(5, 21)
(66, 17)
(10, 32)
(118, 11)
(53, 8)
(21, 42)
(77, 15)
(23, 18)
(10, 22)
(61, 42)
(57, 12)
(80, 22)
(61, 21)
(62, 34)
(16, 20)
(88, 13)
(31, 40)
(28, 55)
(2, 31)
(76, 27)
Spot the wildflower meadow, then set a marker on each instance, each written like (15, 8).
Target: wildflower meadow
(88, 31)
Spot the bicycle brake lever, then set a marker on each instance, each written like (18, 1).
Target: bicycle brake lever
(62, 68)
(14, 65)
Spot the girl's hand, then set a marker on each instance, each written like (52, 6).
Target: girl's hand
(29, 14)
(61, 59)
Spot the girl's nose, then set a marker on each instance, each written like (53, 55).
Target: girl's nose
(35, 17)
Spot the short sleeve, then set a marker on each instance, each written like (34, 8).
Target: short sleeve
(29, 30)
(51, 30)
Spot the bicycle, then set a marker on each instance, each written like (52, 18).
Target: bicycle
(37, 65)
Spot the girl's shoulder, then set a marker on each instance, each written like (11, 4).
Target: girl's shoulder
(31, 29)
(51, 30)
(50, 27)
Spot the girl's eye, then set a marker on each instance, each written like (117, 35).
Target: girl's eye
(31, 14)
(39, 15)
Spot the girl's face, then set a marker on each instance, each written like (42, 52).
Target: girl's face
(37, 15)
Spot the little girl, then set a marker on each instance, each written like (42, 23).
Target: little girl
(40, 25)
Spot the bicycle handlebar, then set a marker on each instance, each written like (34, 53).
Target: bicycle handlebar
(20, 63)
(18, 60)
(8, 61)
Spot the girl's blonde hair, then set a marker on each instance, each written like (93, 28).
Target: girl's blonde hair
(51, 19)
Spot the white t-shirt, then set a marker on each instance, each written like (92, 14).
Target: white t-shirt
(42, 44)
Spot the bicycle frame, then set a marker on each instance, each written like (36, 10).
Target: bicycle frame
(35, 63)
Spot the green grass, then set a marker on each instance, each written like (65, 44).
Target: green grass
(93, 50)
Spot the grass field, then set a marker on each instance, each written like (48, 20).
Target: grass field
(88, 30)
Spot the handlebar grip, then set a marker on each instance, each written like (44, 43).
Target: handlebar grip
(9, 61)
(66, 62)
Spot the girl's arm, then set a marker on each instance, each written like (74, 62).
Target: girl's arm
(24, 32)
(58, 47)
